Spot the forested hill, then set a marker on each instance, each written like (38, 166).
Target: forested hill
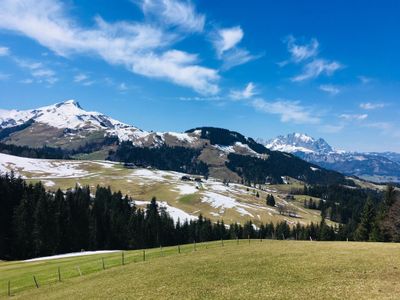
(225, 137)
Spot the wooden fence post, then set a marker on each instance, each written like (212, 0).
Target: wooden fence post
(79, 270)
(222, 242)
(102, 262)
(144, 255)
(179, 249)
(162, 253)
(36, 283)
(123, 258)
(248, 237)
(59, 274)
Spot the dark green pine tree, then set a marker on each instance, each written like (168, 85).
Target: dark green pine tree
(270, 200)
(23, 229)
(64, 222)
(45, 232)
(365, 226)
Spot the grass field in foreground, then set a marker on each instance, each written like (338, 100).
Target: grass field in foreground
(268, 269)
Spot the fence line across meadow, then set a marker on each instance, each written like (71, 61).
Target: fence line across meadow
(36, 274)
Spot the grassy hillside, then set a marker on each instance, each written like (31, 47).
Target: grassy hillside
(268, 269)
(213, 199)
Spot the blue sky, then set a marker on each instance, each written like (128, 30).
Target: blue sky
(262, 68)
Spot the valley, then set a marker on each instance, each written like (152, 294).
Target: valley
(183, 199)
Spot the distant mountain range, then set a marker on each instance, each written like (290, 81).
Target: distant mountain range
(217, 152)
(374, 166)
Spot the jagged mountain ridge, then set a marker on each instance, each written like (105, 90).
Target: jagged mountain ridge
(67, 126)
(371, 166)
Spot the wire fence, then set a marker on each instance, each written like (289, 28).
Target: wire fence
(20, 276)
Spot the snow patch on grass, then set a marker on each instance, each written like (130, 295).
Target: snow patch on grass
(45, 167)
(223, 202)
(185, 189)
(74, 254)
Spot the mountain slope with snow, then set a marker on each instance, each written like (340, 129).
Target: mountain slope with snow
(371, 166)
(213, 151)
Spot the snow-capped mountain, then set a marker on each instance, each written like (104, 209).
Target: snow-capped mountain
(299, 142)
(219, 152)
(68, 125)
(371, 166)
(69, 115)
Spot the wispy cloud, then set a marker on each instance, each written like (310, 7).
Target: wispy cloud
(38, 70)
(316, 68)
(353, 117)
(181, 14)
(4, 51)
(80, 77)
(371, 106)
(289, 111)
(26, 81)
(83, 79)
(330, 89)
(226, 41)
(202, 99)
(365, 79)
(301, 52)
(385, 128)
(247, 93)
(307, 55)
(227, 38)
(140, 47)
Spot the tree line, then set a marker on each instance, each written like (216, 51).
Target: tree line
(34, 222)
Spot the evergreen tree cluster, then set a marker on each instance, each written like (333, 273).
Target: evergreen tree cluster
(34, 223)
(340, 203)
(43, 152)
(312, 204)
(180, 159)
(255, 170)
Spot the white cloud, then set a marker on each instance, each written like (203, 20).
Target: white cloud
(180, 68)
(247, 93)
(202, 99)
(176, 13)
(236, 57)
(371, 106)
(289, 111)
(83, 79)
(80, 77)
(227, 38)
(4, 51)
(39, 71)
(317, 67)
(331, 89)
(225, 42)
(353, 117)
(139, 47)
(307, 55)
(303, 52)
